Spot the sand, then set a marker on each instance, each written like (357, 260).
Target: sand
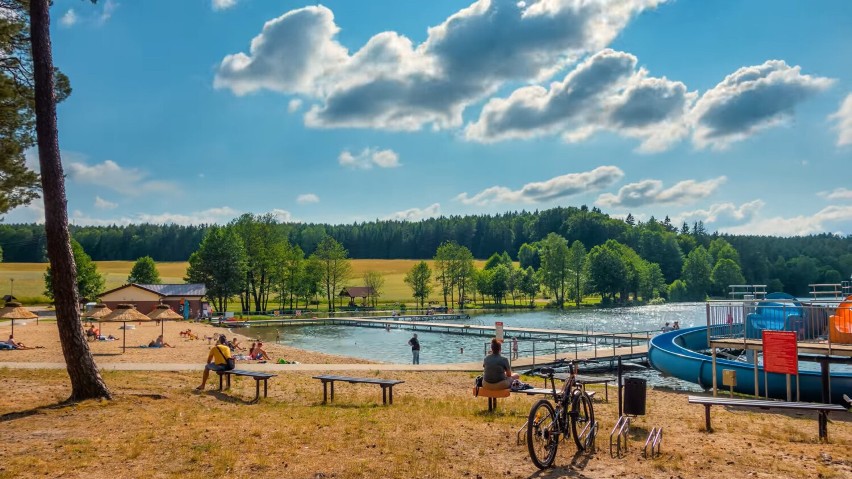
(44, 336)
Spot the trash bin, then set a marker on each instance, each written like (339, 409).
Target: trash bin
(635, 390)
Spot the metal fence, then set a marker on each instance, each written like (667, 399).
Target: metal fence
(747, 320)
(548, 350)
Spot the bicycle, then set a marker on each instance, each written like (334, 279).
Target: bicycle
(547, 421)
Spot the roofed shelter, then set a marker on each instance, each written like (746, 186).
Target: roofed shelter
(353, 292)
(186, 299)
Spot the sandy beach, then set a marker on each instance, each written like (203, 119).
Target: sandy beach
(43, 336)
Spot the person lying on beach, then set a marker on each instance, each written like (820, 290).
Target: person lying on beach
(16, 344)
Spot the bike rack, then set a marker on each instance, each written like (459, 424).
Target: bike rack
(522, 438)
(655, 440)
(590, 437)
(618, 436)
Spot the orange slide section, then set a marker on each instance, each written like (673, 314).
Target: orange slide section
(840, 324)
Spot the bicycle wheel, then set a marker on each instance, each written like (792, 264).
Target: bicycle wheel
(542, 434)
(582, 421)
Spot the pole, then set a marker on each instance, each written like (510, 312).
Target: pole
(713, 357)
(619, 370)
(789, 389)
(124, 338)
(826, 390)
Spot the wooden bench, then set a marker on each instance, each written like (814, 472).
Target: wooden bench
(386, 384)
(257, 376)
(494, 394)
(823, 409)
(586, 380)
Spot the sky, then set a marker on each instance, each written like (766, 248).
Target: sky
(737, 114)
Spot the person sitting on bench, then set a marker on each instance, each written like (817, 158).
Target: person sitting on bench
(217, 360)
(496, 371)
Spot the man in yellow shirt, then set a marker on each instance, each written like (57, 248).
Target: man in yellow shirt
(217, 360)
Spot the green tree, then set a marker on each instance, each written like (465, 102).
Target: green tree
(725, 273)
(18, 184)
(289, 272)
(697, 270)
(144, 271)
(444, 268)
(499, 283)
(220, 264)
(555, 266)
(530, 284)
(607, 271)
(336, 267)
(310, 281)
(577, 266)
(528, 256)
(419, 280)
(90, 283)
(652, 282)
(678, 292)
(265, 246)
(376, 282)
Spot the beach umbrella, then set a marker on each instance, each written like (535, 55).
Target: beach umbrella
(124, 313)
(13, 311)
(98, 311)
(163, 312)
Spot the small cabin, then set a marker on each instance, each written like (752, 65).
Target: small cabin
(353, 292)
(185, 299)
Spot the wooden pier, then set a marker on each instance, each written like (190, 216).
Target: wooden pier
(430, 323)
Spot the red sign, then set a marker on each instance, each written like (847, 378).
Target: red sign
(780, 352)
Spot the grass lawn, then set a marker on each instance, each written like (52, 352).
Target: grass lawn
(29, 277)
(157, 426)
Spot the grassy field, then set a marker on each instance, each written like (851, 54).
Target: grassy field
(158, 426)
(29, 277)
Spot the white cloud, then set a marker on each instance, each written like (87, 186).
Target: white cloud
(103, 204)
(282, 216)
(106, 13)
(110, 175)
(394, 84)
(416, 214)
(368, 158)
(294, 105)
(837, 194)
(604, 92)
(307, 198)
(843, 116)
(649, 192)
(32, 213)
(220, 216)
(69, 18)
(830, 218)
(223, 4)
(750, 100)
(558, 187)
(721, 214)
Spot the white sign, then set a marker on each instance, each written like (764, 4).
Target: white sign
(498, 330)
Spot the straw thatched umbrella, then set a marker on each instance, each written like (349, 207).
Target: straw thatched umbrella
(13, 311)
(122, 314)
(162, 313)
(99, 311)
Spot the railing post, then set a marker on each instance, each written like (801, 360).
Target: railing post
(533, 353)
(554, 350)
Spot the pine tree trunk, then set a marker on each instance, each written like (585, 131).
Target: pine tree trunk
(86, 381)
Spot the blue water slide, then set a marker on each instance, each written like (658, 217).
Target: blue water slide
(786, 315)
(674, 354)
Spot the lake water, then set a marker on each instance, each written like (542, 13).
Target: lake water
(392, 346)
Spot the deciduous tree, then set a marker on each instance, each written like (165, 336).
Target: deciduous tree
(418, 279)
(90, 283)
(144, 271)
(336, 268)
(219, 263)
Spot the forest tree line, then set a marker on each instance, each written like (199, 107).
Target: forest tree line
(788, 264)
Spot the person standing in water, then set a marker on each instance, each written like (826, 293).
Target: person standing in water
(415, 349)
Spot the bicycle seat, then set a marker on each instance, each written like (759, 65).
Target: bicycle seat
(546, 371)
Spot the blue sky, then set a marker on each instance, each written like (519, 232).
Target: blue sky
(738, 114)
